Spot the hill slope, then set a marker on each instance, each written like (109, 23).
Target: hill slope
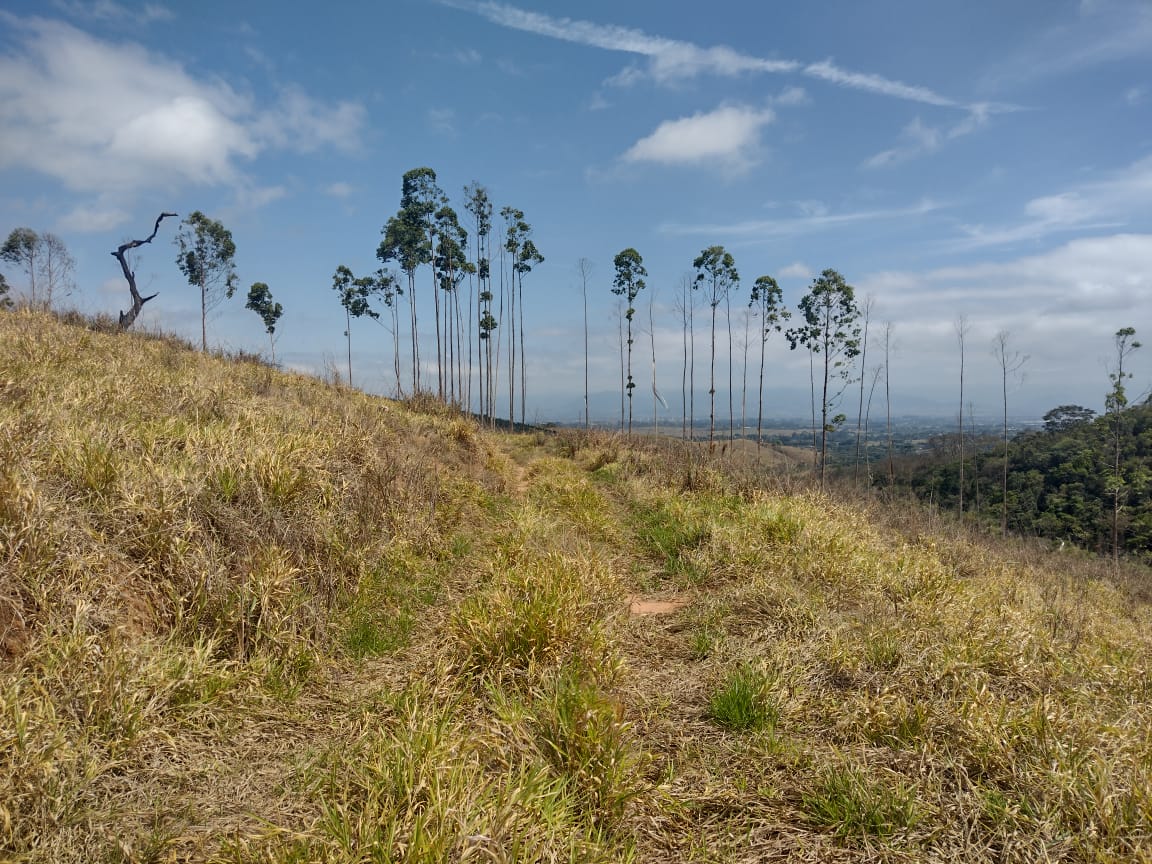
(249, 617)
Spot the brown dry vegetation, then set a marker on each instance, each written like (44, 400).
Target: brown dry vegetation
(249, 617)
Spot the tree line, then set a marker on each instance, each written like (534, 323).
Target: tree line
(476, 289)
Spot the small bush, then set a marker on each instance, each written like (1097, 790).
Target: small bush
(744, 702)
(853, 805)
(587, 741)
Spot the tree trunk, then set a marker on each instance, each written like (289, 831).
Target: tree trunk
(712, 378)
(127, 319)
(348, 335)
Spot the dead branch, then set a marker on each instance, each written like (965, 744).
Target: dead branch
(128, 318)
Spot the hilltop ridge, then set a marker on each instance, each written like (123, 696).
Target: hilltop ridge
(250, 616)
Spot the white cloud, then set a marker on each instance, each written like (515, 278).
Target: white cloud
(339, 189)
(1135, 95)
(728, 136)
(85, 219)
(259, 196)
(1107, 203)
(112, 118)
(299, 122)
(1061, 306)
(814, 218)
(672, 60)
(796, 270)
(793, 96)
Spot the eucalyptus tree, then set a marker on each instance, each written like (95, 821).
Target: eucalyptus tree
(768, 298)
(1011, 363)
(405, 243)
(354, 296)
(478, 204)
(683, 306)
(869, 303)
(716, 275)
(45, 260)
(22, 249)
(830, 328)
(524, 256)
(409, 241)
(388, 287)
(452, 265)
(260, 301)
(1115, 405)
(962, 328)
(584, 271)
(206, 257)
(628, 283)
(888, 400)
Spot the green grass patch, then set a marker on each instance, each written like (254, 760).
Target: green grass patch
(854, 805)
(744, 701)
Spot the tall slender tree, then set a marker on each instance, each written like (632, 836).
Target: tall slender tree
(260, 301)
(628, 283)
(962, 328)
(207, 259)
(354, 296)
(408, 239)
(830, 329)
(525, 256)
(716, 276)
(1115, 405)
(22, 249)
(452, 265)
(768, 299)
(683, 306)
(869, 302)
(888, 400)
(584, 271)
(479, 205)
(657, 399)
(1011, 363)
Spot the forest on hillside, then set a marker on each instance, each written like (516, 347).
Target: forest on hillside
(1082, 479)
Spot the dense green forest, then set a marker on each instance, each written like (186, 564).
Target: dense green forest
(1063, 482)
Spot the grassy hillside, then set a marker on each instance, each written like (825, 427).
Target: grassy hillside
(249, 617)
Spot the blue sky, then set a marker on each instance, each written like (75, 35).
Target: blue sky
(981, 159)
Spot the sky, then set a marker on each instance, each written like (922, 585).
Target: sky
(983, 161)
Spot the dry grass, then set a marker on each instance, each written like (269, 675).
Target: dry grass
(246, 616)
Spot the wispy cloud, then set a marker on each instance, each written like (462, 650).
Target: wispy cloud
(918, 139)
(669, 59)
(728, 136)
(339, 189)
(813, 219)
(1107, 203)
(1102, 32)
(108, 10)
(672, 60)
(828, 71)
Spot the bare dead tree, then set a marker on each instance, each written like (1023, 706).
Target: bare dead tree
(127, 319)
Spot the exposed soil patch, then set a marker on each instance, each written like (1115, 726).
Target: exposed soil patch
(655, 606)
